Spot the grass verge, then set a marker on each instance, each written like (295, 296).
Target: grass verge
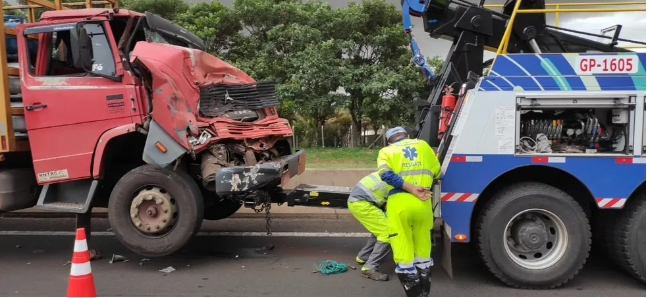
(341, 157)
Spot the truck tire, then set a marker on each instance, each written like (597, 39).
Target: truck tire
(155, 211)
(533, 236)
(628, 241)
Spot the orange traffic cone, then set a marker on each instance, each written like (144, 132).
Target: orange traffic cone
(81, 282)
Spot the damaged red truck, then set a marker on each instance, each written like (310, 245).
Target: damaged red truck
(124, 110)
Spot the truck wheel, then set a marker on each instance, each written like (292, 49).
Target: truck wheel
(628, 242)
(533, 236)
(155, 211)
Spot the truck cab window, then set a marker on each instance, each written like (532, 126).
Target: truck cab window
(59, 57)
(104, 61)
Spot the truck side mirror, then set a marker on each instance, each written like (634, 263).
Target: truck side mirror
(86, 55)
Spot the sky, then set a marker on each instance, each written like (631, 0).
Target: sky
(633, 24)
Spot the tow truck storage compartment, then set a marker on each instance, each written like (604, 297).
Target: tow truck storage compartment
(575, 124)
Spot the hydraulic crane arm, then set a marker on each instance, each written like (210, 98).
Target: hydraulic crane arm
(416, 8)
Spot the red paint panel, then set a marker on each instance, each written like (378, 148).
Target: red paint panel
(447, 196)
(624, 160)
(539, 159)
(611, 203)
(458, 158)
(463, 197)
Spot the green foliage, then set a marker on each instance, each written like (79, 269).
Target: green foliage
(168, 9)
(341, 157)
(216, 24)
(14, 12)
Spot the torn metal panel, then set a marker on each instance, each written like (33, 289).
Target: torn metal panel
(153, 155)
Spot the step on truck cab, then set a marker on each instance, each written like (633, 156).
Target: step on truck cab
(542, 148)
(125, 110)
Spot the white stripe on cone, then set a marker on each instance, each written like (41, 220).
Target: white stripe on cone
(80, 269)
(80, 245)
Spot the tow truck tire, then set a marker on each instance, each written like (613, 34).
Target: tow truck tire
(187, 201)
(628, 241)
(552, 232)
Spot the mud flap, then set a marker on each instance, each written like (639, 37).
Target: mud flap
(446, 250)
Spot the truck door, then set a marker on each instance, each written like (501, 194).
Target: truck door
(67, 107)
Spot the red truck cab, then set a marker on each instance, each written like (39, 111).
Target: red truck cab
(124, 110)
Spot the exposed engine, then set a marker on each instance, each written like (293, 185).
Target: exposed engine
(234, 153)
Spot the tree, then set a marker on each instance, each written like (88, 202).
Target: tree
(216, 24)
(13, 12)
(167, 9)
(373, 62)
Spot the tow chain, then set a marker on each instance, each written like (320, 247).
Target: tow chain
(268, 220)
(266, 205)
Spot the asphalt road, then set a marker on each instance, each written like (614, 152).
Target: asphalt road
(33, 264)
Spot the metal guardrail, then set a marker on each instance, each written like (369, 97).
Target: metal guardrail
(557, 9)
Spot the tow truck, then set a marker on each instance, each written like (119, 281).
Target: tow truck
(542, 148)
(106, 107)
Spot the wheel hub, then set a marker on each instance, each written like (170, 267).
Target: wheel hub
(530, 235)
(153, 210)
(535, 239)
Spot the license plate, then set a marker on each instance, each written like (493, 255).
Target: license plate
(607, 64)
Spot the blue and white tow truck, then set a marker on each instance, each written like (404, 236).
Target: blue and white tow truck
(542, 147)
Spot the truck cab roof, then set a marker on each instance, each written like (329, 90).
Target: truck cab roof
(82, 13)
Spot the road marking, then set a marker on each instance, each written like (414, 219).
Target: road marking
(201, 234)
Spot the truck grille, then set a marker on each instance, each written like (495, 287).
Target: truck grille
(219, 99)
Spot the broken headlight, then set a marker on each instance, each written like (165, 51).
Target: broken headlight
(242, 115)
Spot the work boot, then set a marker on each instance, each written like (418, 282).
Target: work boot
(374, 275)
(360, 261)
(425, 281)
(411, 284)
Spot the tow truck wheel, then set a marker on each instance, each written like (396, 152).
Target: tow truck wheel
(155, 211)
(628, 241)
(533, 236)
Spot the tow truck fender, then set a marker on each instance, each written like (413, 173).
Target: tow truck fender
(97, 165)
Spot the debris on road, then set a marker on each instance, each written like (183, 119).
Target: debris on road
(168, 269)
(141, 263)
(67, 263)
(353, 267)
(330, 267)
(236, 257)
(117, 258)
(94, 254)
(18, 246)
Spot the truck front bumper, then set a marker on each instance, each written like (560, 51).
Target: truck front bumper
(237, 180)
